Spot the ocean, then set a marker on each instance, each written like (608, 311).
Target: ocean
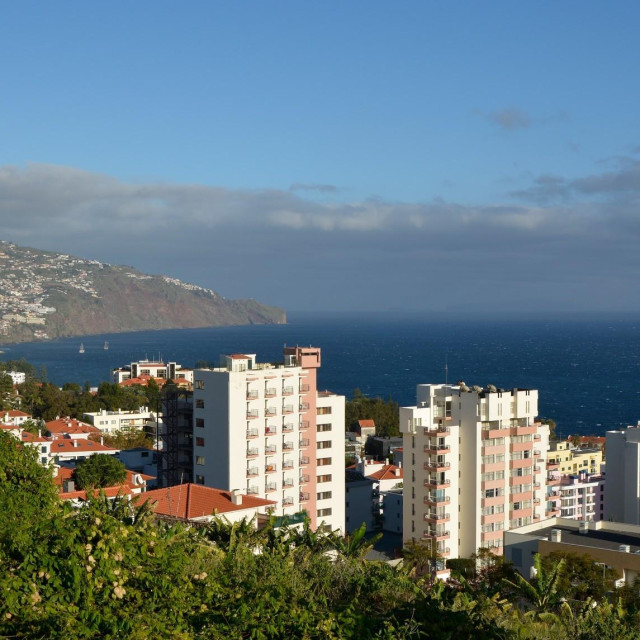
(587, 371)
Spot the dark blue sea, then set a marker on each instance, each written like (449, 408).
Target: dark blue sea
(587, 371)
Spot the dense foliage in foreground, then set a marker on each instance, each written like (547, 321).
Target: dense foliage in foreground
(106, 571)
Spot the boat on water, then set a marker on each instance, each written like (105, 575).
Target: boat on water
(81, 349)
(106, 345)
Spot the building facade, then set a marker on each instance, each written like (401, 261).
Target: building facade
(622, 487)
(474, 466)
(264, 429)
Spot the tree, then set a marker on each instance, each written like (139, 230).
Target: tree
(99, 471)
(581, 578)
(542, 591)
(27, 492)
(126, 439)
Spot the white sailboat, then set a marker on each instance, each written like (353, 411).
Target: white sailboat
(81, 349)
(106, 345)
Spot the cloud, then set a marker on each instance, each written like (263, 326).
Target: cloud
(623, 181)
(510, 119)
(282, 248)
(322, 188)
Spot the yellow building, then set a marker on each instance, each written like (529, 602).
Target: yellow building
(567, 459)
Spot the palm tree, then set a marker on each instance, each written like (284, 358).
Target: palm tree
(542, 590)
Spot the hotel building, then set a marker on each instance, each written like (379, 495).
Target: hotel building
(474, 466)
(266, 430)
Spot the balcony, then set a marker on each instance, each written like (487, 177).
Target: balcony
(252, 491)
(270, 411)
(304, 497)
(288, 446)
(270, 486)
(252, 395)
(436, 448)
(287, 409)
(436, 465)
(439, 430)
(304, 442)
(304, 424)
(287, 464)
(270, 449)
(438, 534)
(304, 478)
(252, 433)
(287, 427)
(304, 388)
(288, 482)
(436, 482)
(287, 502)
(271, 392)
(304, 460)
(252, 471)
(287, 391)
(304, 406)
(252, 452)
(251, 414)
(433, 498)
(434, 516)
(271, 468)
(270, 431)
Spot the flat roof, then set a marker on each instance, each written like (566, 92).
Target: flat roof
(599, 539)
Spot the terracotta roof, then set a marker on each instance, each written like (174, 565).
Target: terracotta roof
(239, 356)
(27, 436)
(70, 425)
(64, 446)
(388, 472)
(366, 423)
(188, 501)
(15, 413)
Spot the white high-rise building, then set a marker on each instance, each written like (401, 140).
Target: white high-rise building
(265, 429)
(474, 466)
(622, 473)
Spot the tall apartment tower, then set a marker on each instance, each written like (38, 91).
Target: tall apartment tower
(475, 466)
(264, 429)
(622, 484)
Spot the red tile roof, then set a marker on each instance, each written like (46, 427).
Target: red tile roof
(188, 501)
(79, 445)
(366, 423)
(15, 413)
(69, 425)
(388, 472)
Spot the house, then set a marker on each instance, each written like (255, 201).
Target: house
(199, 504)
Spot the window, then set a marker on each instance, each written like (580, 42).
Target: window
(323, 462)
(199, 384)
(200, 460)
(199, 403)
(200, 423)
(323, 427)
(199, 442)
(326, 444)
(322, 411)
(324, 478)
(199, 479)
(323, 513)
(323, 495)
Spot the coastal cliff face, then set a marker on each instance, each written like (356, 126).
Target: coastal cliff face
(45, 295)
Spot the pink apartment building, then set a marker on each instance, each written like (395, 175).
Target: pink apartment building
(264, 429)
(474, 466)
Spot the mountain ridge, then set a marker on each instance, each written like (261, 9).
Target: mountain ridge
(46, 295)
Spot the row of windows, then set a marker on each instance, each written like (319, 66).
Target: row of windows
(322, 513)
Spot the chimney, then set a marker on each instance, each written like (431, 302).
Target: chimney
(386, 462)
(101, 439)
(584, 527)
(68, 486)
(397, 471)
(625, 548)
(76, 443)
(556, 535)
(236, 496)
(400, 465)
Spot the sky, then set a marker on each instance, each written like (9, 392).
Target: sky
(463, 157)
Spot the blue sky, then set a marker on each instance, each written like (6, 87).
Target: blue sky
(476, 156)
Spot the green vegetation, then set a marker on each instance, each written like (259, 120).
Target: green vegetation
(383, 413)
(110, 571)
(126, 440)
(99, 471)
